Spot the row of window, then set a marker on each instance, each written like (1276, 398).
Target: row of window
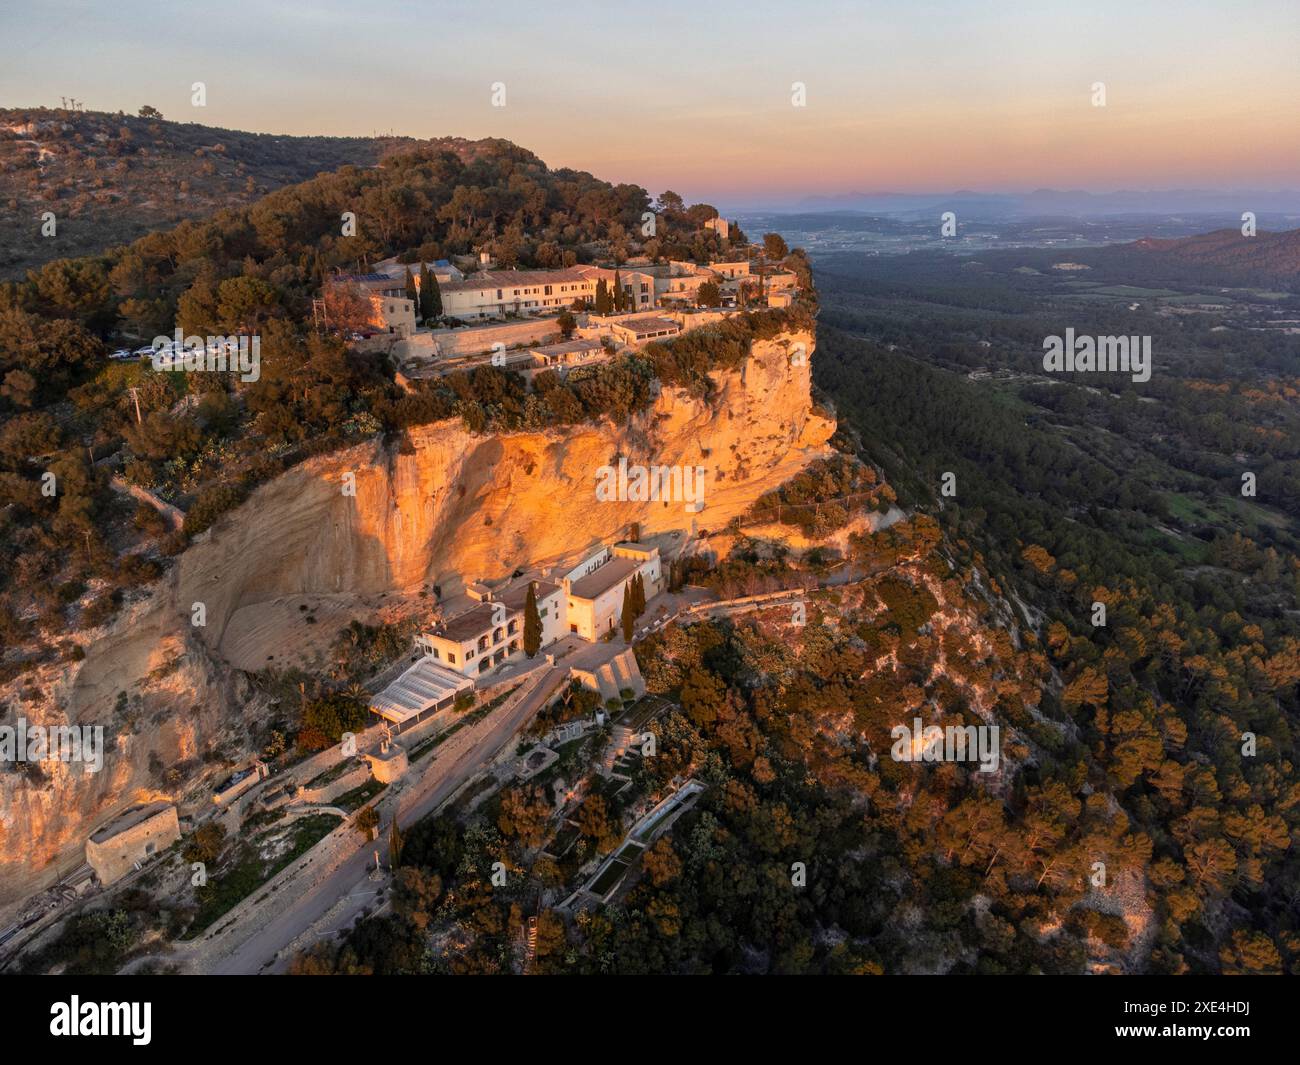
(548, 290)
(511, 629)
(469, 655)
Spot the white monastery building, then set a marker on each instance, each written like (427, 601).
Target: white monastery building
(495, 293)
(488, 633)
(594, 589)
(586, 601)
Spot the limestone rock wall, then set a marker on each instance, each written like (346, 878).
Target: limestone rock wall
(478, 506)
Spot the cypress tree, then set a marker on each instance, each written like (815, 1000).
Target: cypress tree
(395, 842)
(411, 293)
(425, 278)
(676, 575)
(532, 622)
(619, 302)
(629, 616)
(430, 296)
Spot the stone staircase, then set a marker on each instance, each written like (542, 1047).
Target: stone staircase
(619, 742)
(619, 673)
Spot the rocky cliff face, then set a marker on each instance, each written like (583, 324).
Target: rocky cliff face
(456, 504)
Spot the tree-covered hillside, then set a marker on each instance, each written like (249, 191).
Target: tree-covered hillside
(203, 440)
(1113, 513)
(110, 178)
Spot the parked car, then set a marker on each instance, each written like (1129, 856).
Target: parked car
(164, 357)
(122, 353)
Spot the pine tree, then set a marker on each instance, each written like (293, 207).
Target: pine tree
(629, 616)
(532, 622)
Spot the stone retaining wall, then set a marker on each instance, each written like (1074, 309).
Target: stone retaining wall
(327, 793)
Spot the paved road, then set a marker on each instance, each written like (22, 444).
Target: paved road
(454, 763)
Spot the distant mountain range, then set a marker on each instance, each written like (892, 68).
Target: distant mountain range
(1057, 202)
(1265, 254)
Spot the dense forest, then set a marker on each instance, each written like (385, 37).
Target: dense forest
(1128, 496)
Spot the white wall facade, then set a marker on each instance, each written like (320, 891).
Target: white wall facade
(493, 644)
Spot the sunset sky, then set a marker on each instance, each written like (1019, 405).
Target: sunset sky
(901, 96)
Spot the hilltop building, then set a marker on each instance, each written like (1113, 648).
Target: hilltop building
(442, 269)
(568, 354)
(720, 226)
(389, 763)
(731, 271)
(390, 310)
(594, 588)
(496, 293)
(425, 688)
(372, 284)
(587, 600)
(393, 314)
(131, 839)
(638, 331)
(474, 641)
